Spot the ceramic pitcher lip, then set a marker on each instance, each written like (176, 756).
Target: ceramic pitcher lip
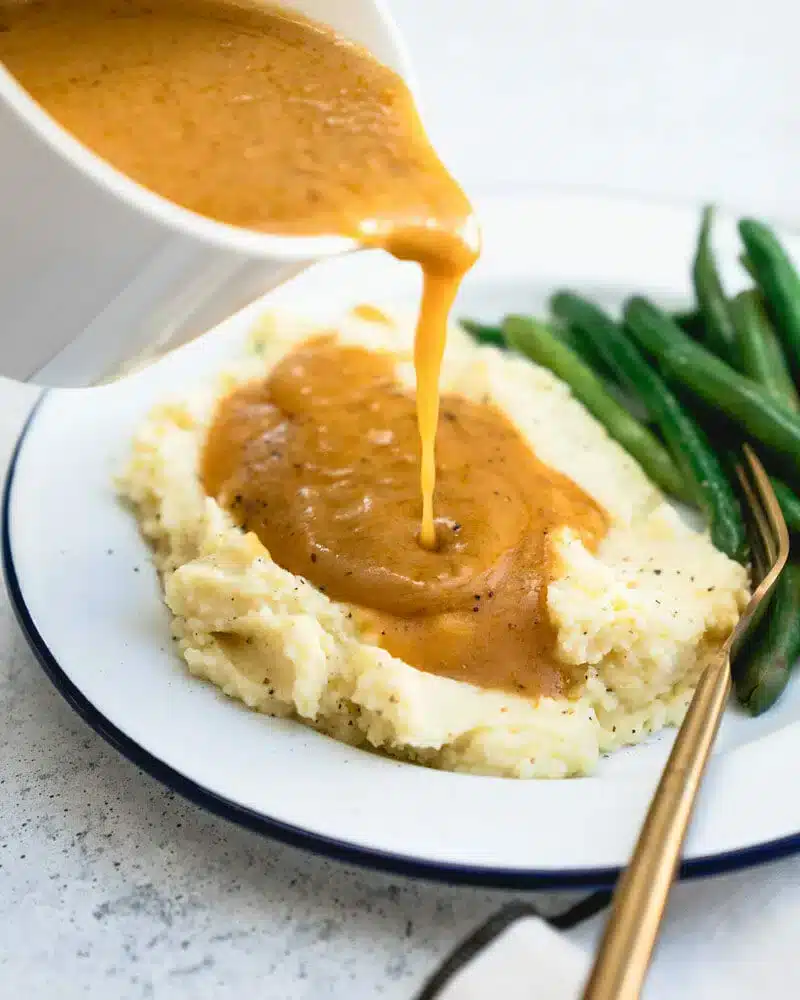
(184, 221)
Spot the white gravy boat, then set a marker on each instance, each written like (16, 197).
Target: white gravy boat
(97, 273)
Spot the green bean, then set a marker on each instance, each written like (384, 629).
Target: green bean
(583, 346)
(761, 671)
(778, 280)
(761, 357)
(759, 351)
(533, 339)
(567, 336)
(483, 333)
(720, 332)
(487, 333)
(686, 441)
(744, 260)
(789, 503)
(685, 363)
(691, 322)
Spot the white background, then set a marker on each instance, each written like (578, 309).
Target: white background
(691, 99)
(112, 888)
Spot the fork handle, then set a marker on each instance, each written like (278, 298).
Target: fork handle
(641, 896)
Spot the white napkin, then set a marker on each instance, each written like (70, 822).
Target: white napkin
(515, 956)
(528, 959)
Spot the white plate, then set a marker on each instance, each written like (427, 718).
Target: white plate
(89, 601)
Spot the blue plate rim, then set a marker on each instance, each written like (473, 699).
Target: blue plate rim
(218, 805)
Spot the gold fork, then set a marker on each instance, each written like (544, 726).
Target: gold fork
(640, 899)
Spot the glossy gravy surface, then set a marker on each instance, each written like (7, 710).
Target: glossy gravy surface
(321, 461)
(262, 120)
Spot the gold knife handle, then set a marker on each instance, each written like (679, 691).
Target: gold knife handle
(641, 897)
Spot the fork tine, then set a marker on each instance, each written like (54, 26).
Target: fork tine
(771, 554)
(762, 548)
(770, 508)
(753, 486)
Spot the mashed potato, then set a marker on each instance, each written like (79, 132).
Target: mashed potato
(639, 618)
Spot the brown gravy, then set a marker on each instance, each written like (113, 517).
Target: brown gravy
(259, 119)
(320, 460)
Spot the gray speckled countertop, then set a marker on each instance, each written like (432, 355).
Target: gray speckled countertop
(112, 887)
